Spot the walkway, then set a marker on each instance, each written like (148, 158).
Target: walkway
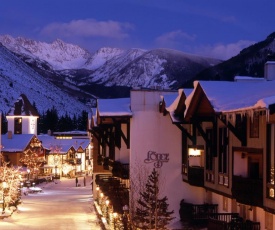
(61, 205)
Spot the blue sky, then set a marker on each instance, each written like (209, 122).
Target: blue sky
(214, 28)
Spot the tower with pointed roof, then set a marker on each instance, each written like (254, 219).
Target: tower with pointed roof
(22, 117)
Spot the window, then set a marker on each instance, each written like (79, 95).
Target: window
(241, 126)
(209, 157)
(209, 150)
(184, 154)
(18, 125)
(223, 150)
(254, 125)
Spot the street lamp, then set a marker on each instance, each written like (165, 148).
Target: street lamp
(97, 194)
(28, 170)
(107, 210)
(21, 187)
(115, 218)
(125, 217)
(4, 185)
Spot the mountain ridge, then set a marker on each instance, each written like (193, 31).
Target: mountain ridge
(18, 78)
(108, 72)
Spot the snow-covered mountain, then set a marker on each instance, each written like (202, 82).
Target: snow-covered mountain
(17, 78)
(109, 72)
(58, 54)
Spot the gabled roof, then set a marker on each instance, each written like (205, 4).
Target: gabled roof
(62, 146)
(23, 107)
(225, 96)
(18, 142)
(175, 104)
(234, 96)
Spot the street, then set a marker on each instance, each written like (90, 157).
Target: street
(60, 205)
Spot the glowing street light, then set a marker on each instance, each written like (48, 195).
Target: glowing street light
(115, 219)
(107, 202)
(28, 170)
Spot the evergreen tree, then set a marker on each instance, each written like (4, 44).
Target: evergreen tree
(83, 121)
(51, 119)
(11, 177)
(152, 211)
(4, 124)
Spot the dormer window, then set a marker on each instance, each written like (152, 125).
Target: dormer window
(18, 125)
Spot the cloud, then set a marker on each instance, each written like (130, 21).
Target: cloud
(223, 51)
(88, 28)
(174, 38)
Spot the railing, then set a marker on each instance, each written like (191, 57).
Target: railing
(230, 221)
(74, 161)
(241, 190)
(196, 176)
(116, 192)
(197, 214)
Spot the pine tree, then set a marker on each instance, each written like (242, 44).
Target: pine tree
(152, 211)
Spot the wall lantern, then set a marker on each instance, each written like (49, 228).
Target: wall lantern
(195, 152)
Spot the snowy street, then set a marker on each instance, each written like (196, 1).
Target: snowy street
(61, 205)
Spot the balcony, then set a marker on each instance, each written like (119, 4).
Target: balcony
(196, 176)
(247, 190)
(196, 214)
(120, 170)
(116, 191)
(74, 161)
(225, 221)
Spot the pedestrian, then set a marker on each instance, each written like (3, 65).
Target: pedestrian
(84, 180)
(76, 182)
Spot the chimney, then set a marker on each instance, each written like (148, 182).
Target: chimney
(269, 70)
(9, 134)
(49, 132)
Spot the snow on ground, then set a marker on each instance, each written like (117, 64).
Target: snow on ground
(60, 205)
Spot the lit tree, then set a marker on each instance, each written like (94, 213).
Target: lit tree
(31, 160)
(151, 210)
(10, 184)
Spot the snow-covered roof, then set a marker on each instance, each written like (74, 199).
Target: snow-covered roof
(236, 96)
(71, 133)
(172, 101)
(17, 143)
(62, 146)
(248, 78)
(114, 107)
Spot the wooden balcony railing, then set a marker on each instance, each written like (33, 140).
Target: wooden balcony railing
(228, 221)
(196, 176)
(197, 214)
(116, 192)
(247, 191)
(74, 161)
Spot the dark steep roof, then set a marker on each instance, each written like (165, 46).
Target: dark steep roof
(23, 107)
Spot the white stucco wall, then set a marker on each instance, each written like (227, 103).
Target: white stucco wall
(122, 154)
(151, 131)
(29, 124)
